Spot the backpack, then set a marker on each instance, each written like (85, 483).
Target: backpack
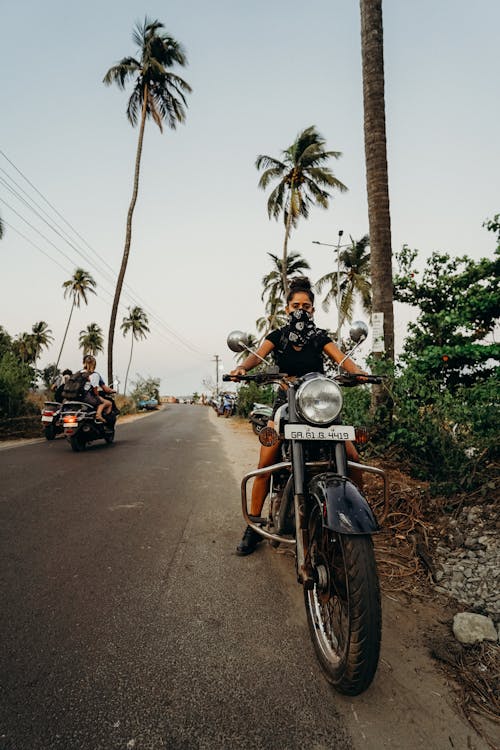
(74, 388)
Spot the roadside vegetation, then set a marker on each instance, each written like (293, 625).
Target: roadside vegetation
(440, 420)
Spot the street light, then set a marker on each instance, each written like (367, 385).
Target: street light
(337, 247)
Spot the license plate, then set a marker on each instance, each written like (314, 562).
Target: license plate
(47, 419)
(308, 432)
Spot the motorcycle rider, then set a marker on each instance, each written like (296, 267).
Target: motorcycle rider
(95, 384)
(298, 348)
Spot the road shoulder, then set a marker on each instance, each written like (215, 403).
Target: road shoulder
(411, 704)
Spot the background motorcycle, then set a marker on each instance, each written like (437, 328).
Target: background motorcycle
(80, 425)
(260, 416)
(51, 419)
(317, 508)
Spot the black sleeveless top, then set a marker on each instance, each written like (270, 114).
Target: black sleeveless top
(293, 362)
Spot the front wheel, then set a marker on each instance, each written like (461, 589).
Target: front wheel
(257, 428)
(343, 609)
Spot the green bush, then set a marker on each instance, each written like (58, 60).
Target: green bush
(449, 439)
(247, 394)
(16, 377)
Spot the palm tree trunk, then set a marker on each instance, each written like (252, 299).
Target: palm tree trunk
(372, 51)
(65, 333)
(288, 227)
(128, 238)
(128, 367)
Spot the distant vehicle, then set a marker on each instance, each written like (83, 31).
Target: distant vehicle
(51, 419)
(147, 403)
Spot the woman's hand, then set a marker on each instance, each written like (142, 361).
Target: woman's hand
(238, 371)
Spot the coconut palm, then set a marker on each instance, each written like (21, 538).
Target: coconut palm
(42, 337)
(274, 293)
(77, 287)
(303, 178)
(91, 339)
(158, 94)
(24, 347)
(372, 53)
(137, 324)
(354, 275)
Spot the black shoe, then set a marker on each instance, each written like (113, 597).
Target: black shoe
(249, 542)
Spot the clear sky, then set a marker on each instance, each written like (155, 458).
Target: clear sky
(260, 73)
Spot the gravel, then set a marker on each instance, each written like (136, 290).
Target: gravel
(468, 560)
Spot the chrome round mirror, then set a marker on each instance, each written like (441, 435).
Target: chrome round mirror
(358, 331)
(238, 341)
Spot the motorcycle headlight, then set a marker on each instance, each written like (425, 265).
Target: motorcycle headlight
(319, 400)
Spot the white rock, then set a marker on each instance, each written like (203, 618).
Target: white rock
(471, 628)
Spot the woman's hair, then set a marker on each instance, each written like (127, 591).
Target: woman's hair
(300, 284)
(89, 361)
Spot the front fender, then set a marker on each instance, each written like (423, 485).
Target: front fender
(344, 509)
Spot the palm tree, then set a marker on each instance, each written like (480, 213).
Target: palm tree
(303, 176)
(24, 347)
(91, 339)
(354, 273)
(137, 324)
(158, 94)
(77, 287)
(372, 52)
(42, 337)
(274, 291)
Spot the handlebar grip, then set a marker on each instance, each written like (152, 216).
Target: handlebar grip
(226, 378)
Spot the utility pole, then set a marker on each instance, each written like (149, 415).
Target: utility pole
(338, 247)
(216, 359)
(339, 294)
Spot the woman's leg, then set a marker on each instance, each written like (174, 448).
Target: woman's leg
(268, 456)
(260, 489)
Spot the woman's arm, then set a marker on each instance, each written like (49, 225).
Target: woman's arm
(333, 352)
(252, 360)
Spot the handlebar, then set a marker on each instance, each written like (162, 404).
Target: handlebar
(346, 379)
(259, 377)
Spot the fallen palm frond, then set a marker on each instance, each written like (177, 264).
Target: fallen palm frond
(476, 678)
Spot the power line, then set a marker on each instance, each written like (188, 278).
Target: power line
(63, 235)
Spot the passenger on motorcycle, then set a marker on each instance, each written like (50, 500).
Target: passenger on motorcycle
(58, 385)
(95, 384)
(297, 348)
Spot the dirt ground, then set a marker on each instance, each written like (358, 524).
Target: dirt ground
(413, 702)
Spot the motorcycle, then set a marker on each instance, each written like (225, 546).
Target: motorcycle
(80, 425)
(317, 509)
(51, 419)
(260, 416)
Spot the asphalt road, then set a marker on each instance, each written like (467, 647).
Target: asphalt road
(127, 620)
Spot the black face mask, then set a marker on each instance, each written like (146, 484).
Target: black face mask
(300, 328)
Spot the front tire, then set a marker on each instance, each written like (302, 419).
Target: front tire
(343, 609)
(109, 437)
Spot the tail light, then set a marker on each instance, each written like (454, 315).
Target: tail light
(47, 413)
(362, 435)
(70, 419)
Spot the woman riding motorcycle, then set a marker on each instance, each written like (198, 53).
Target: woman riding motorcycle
(297, 348)
(93, 386)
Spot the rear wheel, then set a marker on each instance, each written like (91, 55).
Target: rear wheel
(77, 443)
(343, 609)
(50, 432)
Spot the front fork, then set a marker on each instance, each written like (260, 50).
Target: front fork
(305, 574)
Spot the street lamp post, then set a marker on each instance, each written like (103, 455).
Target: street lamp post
(338, 246)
